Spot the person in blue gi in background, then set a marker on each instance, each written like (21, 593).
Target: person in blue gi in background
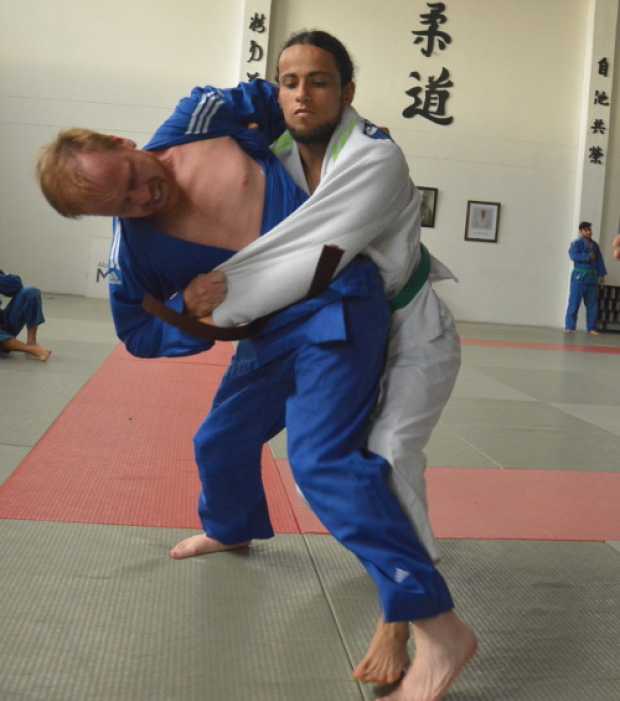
(589, 268)
(24, 309)
(204, 187)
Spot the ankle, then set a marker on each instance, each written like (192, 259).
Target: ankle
(397, 631)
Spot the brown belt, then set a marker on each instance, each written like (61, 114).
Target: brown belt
(326, 267)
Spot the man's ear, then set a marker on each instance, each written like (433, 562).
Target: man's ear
(122, 142)
(348, 93)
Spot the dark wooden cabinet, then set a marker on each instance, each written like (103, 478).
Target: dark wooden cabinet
(608, 308)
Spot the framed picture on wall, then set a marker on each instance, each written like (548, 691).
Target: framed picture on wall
(429, 205)
(482, 221)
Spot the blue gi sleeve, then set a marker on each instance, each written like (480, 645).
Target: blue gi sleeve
(144, 335)
(601, 269)
(209, 113)
(10, 285)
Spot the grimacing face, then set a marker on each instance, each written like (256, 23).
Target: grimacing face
(311, 96)
(128, 182)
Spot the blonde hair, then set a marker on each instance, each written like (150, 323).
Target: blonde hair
(60, 179)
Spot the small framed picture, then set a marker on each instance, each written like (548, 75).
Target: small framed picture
(428, 206)
(482, 221)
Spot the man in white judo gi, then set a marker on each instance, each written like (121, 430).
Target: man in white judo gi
(361, 188)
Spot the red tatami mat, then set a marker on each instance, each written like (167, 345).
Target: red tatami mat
(524, 504)
(507, 504)
(121, 452)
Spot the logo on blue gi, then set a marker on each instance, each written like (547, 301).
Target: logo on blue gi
(373, 131)
(400, 575)
(112, 274)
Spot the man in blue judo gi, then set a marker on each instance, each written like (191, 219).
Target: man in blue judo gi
(24, 309)
(187, 203)
(589, 268)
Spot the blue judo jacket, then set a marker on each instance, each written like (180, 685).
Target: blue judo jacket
(143, 259)
(588, 262)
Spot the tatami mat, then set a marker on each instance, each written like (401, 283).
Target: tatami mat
(122, 453)
(565, 346)
(102, 614)
(494, 504)
(546, 625)
(10, 457)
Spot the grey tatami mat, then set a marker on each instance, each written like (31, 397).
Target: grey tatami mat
(101, 613)
(35, 393)
(560, 385)
(546, 613)
(533, 334)
(10, 457)
(278, 446)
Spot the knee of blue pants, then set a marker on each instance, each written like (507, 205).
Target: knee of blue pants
(33, 293)
(29, 299)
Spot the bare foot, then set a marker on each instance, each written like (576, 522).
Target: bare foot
(201, 544)
(41, 353)
(386, 660)
(444, 645)
(594, 333)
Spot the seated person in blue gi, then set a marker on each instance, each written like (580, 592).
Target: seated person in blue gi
(24, 309)
(589, 267)
(205, 187)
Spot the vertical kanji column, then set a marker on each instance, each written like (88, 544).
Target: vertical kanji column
(255, 40)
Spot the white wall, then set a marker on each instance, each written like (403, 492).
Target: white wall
(517, 66)
(113, 66)
(611, 210)
(518, 77)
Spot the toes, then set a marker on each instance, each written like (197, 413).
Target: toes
(373, 676)
(181, 550)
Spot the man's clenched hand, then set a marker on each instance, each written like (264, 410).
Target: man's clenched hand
(204, 293)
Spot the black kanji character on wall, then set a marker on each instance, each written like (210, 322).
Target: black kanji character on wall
(257, 23)
(596, 154)
(433, 19)
(256, 52)
(433, 106)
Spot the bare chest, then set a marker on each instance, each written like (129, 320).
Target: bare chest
(222, 194)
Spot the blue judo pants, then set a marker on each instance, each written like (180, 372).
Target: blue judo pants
(324, 395)
(585, 290)
(24, 309)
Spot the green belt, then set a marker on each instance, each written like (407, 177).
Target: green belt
(415, 283)
(587, 271)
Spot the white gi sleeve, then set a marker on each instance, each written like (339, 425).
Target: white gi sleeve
(352, 206)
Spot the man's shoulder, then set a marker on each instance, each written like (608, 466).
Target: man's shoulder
(373, 131)
(376, 148)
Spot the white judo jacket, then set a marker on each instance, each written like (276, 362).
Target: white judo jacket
(365, 203)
